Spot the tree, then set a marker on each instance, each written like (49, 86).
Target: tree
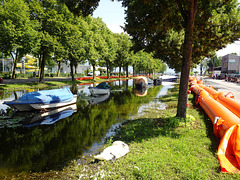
(18, 34)
(81, 7)
(214, 62)
(123, 51)
(109, 52)
(182, 32)
(96, 43)
(73, 41)
(52, 18)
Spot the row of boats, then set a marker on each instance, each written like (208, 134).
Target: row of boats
(55, 98)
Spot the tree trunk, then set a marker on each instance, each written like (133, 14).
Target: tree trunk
(41, 76)
(107, 71)
(14, 65)
(119, 71)
(76, 68)
(127, 70)
(201, 67)
(93, 71)
(71, 69)
(133, 70)
(59, 68)
(186, 62)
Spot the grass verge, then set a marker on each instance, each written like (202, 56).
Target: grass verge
(161, 147)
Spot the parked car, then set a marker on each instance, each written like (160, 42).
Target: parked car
(229, 77)
(97, 73)
(238, 78)
(221, 76)
(234, 78)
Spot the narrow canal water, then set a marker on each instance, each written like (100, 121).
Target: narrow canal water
(37, 142)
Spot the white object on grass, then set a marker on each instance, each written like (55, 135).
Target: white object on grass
(116, 150)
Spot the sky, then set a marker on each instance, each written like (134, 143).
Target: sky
(112, 13)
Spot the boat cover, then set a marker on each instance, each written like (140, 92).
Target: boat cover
(45, 97)
(103, 85)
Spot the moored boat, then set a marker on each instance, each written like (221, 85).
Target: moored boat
(169, 78)
(42, 100)
(141, 82)
(101, 89)
(158, 81)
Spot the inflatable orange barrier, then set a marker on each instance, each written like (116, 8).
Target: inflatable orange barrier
(229, 150)
(225, 99)
(210, 90)
(225, 124)
(214, 110)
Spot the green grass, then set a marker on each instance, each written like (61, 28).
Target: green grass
(47, 84)
(161, 147)
(11, 87)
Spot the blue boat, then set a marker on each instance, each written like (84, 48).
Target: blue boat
(42, 100)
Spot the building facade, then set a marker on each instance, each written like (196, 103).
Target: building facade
(230, 64)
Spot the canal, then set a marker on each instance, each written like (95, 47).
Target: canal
(38, 142)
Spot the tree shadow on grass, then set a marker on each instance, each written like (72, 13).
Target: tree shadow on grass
(139, 129)
(209, 127)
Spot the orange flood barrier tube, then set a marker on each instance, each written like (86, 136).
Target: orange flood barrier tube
(214, 110)
(226, 126)
(229, 102)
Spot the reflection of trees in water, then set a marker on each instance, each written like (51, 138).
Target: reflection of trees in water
(49, 147)
(5, 94)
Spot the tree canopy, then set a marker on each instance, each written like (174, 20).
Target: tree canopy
(182, 32)
(59, 31)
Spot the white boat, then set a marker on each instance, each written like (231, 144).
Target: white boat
(101, 89)
(169, 78)
(99, 99)
(42, 100)
(54, 105)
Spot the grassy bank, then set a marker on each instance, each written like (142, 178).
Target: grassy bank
(161, 147)
(46, 84)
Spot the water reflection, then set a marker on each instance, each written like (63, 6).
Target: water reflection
(50, 117)
(40, 148)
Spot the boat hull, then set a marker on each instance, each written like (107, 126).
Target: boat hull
(54, 105)
(31, 107)
(98, 91)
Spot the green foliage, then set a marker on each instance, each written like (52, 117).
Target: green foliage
(83, 7)
(18, 34)
(214, 62)
(216, 25)
(143, 61)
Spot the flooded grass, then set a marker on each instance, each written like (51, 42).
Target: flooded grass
(161, 147)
